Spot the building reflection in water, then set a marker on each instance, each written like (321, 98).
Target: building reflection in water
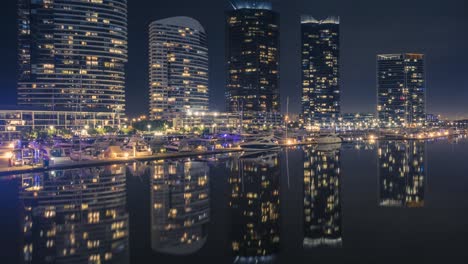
(254, 203)
(322, 203)
(402, 173)
(180, 211)
(75, 216)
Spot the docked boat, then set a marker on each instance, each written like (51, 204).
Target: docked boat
(83, 154)
(137, 147)
(265, 143)
(328, 139)
(178, 146)
(172, 146)
(57, 155)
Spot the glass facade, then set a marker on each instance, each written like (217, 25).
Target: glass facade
(320, 70)
(401, 90)
(25, 120)
(252, 57)
(322, 203)
(72, 54)
(178, 72)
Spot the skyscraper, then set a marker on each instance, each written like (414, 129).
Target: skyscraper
(178, 67)
(72, 54)
(320, 70)
(252, 57)
(401, 89)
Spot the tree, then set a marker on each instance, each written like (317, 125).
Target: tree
(155, 125)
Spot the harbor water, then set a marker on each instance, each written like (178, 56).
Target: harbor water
(372, 202)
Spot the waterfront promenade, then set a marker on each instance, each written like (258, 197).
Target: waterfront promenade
(6, 171)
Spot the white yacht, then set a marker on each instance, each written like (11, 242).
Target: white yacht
(328, 139)
(265, 143)
(57, 155)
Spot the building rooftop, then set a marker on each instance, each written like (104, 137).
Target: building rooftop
(307, 19)
(400, 56)
(181, 21)
(251, 4)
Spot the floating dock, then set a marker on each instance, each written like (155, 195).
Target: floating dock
(7, 171)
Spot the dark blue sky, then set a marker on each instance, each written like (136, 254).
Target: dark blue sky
(368, 27)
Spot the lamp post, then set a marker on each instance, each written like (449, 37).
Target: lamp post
(51, 130)
(149, 128)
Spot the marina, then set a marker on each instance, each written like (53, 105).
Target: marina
(17, 156)
(305, 201)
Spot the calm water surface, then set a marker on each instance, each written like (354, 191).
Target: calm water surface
(388, 202)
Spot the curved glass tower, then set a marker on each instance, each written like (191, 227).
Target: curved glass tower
(178, 67)
(72, 54)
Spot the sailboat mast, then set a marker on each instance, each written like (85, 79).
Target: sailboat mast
(287, 116)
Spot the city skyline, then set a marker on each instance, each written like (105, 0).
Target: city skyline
(445, 87)
(233, 131)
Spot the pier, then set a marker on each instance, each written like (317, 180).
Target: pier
(6, 171)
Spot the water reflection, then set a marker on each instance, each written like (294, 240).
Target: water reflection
(402, 173)
(75, 216)
(322, 203)
(254, 203)
(180, 208)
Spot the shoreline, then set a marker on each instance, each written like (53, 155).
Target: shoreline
(8, 171)
(11, 171)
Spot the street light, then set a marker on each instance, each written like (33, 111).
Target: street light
(149, 127)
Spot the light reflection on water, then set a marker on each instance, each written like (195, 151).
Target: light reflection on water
(74, 216)
(226, 206)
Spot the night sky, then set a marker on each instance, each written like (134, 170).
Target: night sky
(368, 27)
